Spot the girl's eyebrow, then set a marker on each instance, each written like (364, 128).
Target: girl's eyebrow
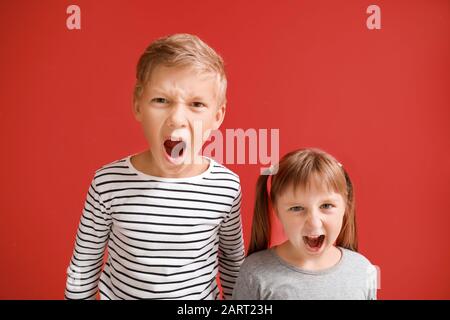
(294, 203)
(324, 199)
(330, 198)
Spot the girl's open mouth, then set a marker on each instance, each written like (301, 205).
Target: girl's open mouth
(314, 243)
(174, 148)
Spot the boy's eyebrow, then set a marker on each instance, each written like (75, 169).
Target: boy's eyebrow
(198, 98)
(158, 90)
(162, 91)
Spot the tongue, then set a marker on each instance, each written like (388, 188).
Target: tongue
(313, 242)
(169, 145)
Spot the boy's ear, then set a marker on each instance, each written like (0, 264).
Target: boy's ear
(219, 116)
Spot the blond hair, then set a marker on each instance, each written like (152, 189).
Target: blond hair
(298, 169)
(184, 50)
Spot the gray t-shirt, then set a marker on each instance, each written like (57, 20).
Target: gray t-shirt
(265, 276)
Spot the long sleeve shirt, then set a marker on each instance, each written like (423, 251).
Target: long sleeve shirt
(165, 238)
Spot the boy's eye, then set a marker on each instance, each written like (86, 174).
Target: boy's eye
(159, 100)
(327, 206)
(296, 208)
(197, 104)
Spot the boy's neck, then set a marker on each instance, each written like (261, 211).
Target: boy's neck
(144, 163)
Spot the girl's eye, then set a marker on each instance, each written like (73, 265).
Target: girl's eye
(159, 100)
(296, 208)
(327, 206)
(198, 104)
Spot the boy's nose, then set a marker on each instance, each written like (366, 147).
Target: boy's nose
(177, 116)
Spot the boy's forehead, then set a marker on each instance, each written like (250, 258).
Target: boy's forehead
(163, 73)
(186, 79)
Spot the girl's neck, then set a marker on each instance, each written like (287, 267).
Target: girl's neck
(329, 258)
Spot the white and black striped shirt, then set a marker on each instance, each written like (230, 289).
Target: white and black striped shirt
(167, 237)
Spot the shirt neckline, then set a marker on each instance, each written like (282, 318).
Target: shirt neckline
(184, 179)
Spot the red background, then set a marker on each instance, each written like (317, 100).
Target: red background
(378, 100)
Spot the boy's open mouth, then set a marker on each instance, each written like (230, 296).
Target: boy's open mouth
(314, 243)
(174, 147)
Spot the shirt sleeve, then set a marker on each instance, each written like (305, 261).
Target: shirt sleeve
(231, 247)
(242, 290)
(92, 236)
(372, 282)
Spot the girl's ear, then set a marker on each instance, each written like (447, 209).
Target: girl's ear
(275, 211)
(137, 110)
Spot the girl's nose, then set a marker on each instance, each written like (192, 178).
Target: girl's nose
(313, 221)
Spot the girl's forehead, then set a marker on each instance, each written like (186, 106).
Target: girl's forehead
(312, 191)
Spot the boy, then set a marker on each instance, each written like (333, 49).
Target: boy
(170, 217)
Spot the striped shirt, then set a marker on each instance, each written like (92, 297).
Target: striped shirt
(166, 238)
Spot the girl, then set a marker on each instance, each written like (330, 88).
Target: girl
(312, 196)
